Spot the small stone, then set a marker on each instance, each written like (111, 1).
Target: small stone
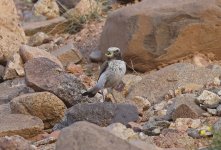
(67, 54)
(17, 124)
(47, 8)
(218, 110)
(216, 81)
(75, 69)
(153, 127)
(160, 105)
(209, 99)
(38, 39)
(212, 111)
(141, 103)
(135, 126)
(15, 143)
(182, 124)
(14, 68)
(48, 107)
(95, 56)
(194, 133)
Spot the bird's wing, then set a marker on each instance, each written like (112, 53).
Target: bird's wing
(103, 68)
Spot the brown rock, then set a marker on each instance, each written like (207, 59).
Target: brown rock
(12, 88)
(45, 75)
(75, 69)
(84, 135)
(11, 34)
(67, 54)
(141, 103)
(153, 32)
(14, 68)
(156, 85)
(52, 26)
(28, 53)
(47, 8)
(38, 39)
(184, 106)
(15, 142)
(48, 107)
(18, 124)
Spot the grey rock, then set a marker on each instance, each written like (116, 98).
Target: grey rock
(17, 124)
(85, 136)
(208, 99)
(45, 75)
(217, 125)
(95, 56)
(212, 111)
(154, 86)
(13, 88)
(2, 70)
(194, 133)
(218, 110)
(102, 114)
(5, 109)
(68, 3)
(15, 143)
(38, 39)
(154, 127)
(184, 107)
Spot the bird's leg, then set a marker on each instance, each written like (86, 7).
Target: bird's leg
(111, 92)
(102, 92)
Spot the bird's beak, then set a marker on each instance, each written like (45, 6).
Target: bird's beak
(109, 54)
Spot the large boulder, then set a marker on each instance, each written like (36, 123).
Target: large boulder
(43, 74)
(156, 85)
(11, 34)
(48, 107)
(84, 136)
(102, 114)
(156, 32)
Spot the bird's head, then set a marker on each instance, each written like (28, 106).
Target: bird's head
(113, 53)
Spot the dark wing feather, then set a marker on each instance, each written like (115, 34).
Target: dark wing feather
(103, 68)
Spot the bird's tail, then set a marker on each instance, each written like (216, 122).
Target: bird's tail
(92, 92)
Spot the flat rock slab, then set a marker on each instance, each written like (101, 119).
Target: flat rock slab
(45, 75)
(15, 143)
(85, 136)
(5, 109)
(156, 85)
(12, 88)
(18, 124)
(102, 114)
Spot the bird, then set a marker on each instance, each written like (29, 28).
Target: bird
(111, 73)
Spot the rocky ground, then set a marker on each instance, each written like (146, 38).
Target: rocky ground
(50, 53)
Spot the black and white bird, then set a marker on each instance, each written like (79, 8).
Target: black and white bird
(111, 73)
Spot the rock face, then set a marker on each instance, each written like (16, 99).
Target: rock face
(209, 99)
(48, 107)
(45, 75)
(12, 88)
(156, 85)
(18, 124)
(101, 114)
(84, 135)
(11, 33)
(28, 53)
(156, 32)
(5, 109)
